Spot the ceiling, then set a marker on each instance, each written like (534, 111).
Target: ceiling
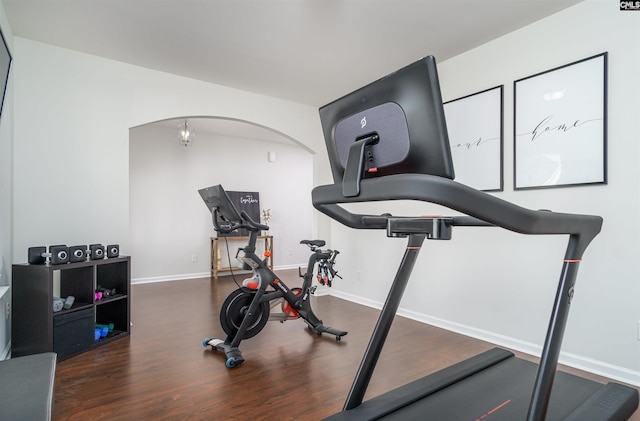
(308, 51)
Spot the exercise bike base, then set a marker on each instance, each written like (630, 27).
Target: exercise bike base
(232, 353)
(320, 329)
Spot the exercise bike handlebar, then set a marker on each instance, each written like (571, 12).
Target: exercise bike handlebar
(244, 222)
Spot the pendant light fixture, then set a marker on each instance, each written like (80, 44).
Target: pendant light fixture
(186, 134)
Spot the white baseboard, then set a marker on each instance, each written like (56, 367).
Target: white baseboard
(579, 362)
(356, 299)
(303, 266)
(168, 278)
(322, 290)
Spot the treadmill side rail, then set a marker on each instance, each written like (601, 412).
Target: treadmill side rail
(613, 402)
(393, 400)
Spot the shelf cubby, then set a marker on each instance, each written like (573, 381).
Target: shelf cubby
(36, 328)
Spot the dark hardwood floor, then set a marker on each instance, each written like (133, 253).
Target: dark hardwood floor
(162, 371)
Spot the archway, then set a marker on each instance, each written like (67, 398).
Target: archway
(170, 228)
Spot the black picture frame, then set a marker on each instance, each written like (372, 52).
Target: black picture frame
(560, 126)
(476, 136)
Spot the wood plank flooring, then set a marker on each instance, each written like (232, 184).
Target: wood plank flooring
(162, 371)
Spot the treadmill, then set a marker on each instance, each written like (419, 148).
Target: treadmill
(388, 141)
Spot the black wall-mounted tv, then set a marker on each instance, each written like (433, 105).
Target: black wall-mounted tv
(402, 118)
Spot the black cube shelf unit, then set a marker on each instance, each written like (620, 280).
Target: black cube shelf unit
(35, 328)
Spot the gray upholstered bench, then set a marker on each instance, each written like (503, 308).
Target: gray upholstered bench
(26, 387)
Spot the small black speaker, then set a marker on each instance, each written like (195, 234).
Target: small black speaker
(96, 251)
(113, 250)
(59, 254)
(37, 255)
(77, 253)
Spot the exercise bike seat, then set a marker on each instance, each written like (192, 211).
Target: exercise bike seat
(316, 243)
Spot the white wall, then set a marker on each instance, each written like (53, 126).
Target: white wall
(72, 116)
(169, 222)
(499, 285)
(6, 192)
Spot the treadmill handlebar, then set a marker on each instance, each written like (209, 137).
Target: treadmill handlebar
(480, 208)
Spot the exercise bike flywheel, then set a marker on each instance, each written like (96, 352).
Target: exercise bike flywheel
(235, 308)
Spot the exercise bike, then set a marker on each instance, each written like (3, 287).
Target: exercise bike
(246, 310)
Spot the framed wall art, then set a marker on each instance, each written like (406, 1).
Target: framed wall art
(560, 126)
(475, 127)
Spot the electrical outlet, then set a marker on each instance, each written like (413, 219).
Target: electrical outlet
(290, 252)
(358, 276)
(8, 311)
(194, 258)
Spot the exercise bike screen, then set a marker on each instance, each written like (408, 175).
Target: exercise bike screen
(215, 197)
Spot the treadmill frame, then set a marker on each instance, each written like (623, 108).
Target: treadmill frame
(481, 209)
